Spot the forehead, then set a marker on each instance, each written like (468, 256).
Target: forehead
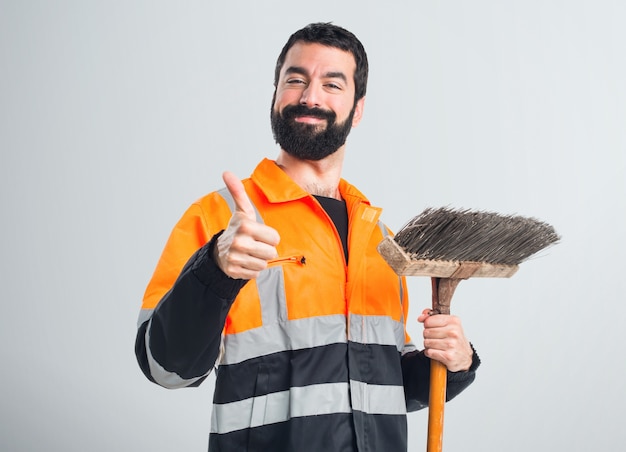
(319, 59)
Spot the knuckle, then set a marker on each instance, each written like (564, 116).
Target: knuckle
(454, 335)
(240, 243)
(244, 226)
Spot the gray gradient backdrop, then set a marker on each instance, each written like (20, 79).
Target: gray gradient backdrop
(116, 115)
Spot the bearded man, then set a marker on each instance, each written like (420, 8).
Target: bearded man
(276, 283)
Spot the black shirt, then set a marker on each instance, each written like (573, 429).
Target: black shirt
(338, 212)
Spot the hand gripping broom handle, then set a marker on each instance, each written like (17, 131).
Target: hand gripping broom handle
(443, 289)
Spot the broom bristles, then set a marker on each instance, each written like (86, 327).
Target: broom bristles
(475, 236)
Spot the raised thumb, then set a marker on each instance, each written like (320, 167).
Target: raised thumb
(238, 192)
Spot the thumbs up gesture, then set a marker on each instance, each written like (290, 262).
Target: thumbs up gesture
(246, 246)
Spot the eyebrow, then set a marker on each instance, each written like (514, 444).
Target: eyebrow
(300, 70)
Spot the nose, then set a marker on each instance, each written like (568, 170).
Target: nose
(310, 96)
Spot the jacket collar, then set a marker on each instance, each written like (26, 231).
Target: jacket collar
(278, 187)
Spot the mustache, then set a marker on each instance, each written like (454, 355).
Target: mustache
(291, 111)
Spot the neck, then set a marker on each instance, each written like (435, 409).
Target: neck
(320, 177)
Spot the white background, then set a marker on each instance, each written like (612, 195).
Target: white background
(116, 115)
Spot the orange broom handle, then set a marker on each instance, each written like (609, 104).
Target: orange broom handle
(443, 289)
(438, 380)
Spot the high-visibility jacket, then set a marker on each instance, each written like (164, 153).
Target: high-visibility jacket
(313, 355)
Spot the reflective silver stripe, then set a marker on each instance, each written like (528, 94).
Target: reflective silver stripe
(408, 348)
(312, 332)
(170, 380)
(271, 287)
(164, 378)
(224, 193)
(283, 336)
(377, 399)
(313, 400)
(383, 229)
(144, 316)
(375, 329)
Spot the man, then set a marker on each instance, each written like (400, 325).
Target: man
(276, 281)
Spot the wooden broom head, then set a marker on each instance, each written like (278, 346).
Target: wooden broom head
(455, 243)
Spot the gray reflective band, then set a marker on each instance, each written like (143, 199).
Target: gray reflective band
(380, 330)
(166, 379)
(283, 336)
(313, 400)
(271, 287)
(377, 399)
(383, 229)
(312, 332)
(170, 380)
(144, 316)
(408, 348)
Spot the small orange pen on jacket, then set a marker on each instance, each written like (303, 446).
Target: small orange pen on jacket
(301, 260)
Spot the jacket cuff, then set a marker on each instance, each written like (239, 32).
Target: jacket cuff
(208, 272)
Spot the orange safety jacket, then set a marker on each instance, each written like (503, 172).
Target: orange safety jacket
(313, 354)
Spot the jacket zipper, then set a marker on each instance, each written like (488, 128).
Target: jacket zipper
(300, 260)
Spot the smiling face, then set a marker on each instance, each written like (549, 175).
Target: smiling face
(313, 108)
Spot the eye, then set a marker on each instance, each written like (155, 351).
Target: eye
(295, 81)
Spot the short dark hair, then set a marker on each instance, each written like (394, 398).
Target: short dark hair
(332, 36)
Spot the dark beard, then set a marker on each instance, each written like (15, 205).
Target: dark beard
(307, 141)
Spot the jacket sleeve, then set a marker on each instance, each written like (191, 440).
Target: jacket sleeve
(416, 377)
(178, 341)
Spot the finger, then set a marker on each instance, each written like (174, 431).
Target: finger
(260, 244)
(424, 315)
(434, 334)
(440, 321)
(427, 314)
(457, 359)
(244, 266)
(238, 192)
(269, 236)
(437, 355)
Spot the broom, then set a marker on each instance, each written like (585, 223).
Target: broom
(450, 245)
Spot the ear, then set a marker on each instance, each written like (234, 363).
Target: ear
(358, 111)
